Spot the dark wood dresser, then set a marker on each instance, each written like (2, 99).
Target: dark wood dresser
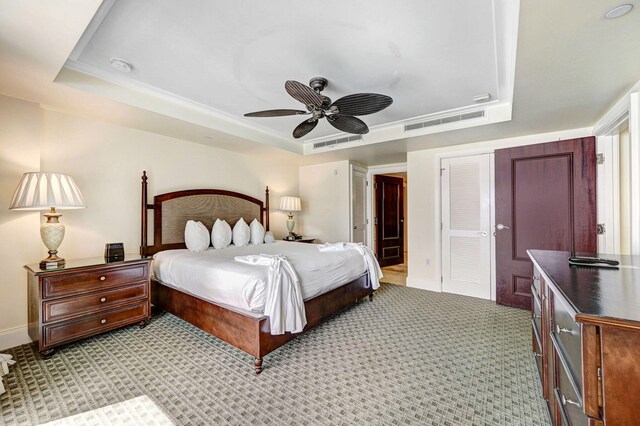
(586, 339)
(85, 298)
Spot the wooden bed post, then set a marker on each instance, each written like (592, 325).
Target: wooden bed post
(266, 200)
(143, 216)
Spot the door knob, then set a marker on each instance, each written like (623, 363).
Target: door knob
(500, 227)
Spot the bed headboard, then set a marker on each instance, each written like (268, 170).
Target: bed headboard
(172, 210)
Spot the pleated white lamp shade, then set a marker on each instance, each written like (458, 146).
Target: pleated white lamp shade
(290, 204)
(43, 190)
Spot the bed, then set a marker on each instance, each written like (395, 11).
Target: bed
(235, 318)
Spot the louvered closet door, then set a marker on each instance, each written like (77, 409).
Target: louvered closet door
(466, 224)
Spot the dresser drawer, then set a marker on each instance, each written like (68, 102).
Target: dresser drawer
(535, 286)
(60, 309)
(567, 336)
(568, 401)
(537, 354)
(536, 311)
(68, 331)
(94, 279)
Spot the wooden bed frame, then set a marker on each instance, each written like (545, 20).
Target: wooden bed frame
(245, 332)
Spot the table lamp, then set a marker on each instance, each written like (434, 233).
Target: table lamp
(42, 191)
(290, 204)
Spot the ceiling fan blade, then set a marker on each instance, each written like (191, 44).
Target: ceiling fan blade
(303, 93)
(348, 124)
(275, 113)
(305, 127)
(362, 103)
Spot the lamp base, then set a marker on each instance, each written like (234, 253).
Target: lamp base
(52, 262)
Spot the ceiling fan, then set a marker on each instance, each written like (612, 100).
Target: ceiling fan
(340, 114)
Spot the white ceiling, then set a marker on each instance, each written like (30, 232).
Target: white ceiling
(571, 66)
(234, 57)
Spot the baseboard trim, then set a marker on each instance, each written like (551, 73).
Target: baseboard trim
(424, 284)
(13, 337)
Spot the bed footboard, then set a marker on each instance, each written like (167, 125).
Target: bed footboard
(253, 335)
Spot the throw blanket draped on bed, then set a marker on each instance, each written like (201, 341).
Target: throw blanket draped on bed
(5, 361)
(284, 304)
(375, 273)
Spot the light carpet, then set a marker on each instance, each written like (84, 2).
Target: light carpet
(409, 357)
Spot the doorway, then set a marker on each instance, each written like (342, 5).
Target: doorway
(390, 225)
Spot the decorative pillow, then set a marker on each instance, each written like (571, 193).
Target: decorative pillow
(269, 238)
(220, 234)
(241, 233)
(257, 232)
(196, 236)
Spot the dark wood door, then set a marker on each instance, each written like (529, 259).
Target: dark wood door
(389, 220)
(546, 199)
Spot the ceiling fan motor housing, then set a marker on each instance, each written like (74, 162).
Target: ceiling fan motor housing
(318, 83)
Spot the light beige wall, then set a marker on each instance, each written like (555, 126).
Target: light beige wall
(106, 161)
(19, 232)
(625, 192)
(324, 193)
(423, 169)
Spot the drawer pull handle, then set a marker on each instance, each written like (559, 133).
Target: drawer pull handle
(536, 354)
(563, 330)
(102, 278)
(103, 299)
(566, 401)
(103, 321)
(536, 316)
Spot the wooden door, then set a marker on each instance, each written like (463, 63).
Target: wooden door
(545, 199)
(389, 220)
(466, 225)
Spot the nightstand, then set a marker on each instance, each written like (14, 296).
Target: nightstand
(85, 298)
(302, 240)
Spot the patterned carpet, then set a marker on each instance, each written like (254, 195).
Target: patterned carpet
(408, 357)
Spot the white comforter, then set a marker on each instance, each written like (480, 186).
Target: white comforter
(214, 275)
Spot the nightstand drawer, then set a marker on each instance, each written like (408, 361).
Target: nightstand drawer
(95, 279)
(60, 309)
(68, 331)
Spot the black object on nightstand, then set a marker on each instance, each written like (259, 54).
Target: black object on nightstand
(300, 240)
(85, 298)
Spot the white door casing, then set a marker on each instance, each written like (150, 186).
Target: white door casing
(358, 205)
(466, 225)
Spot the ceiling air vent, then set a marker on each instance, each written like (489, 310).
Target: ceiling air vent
(444, 120)
(333, 142)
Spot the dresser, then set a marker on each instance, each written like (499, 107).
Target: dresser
(85, 298)
(586, 339)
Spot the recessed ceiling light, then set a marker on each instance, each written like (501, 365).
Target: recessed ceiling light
(482, 98)
(619, 11)
(121, 65)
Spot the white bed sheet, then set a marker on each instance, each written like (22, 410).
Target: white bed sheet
(214, 275)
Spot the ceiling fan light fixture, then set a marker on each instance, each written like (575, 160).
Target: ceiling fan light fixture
(482, 98)
(618, 11)
(121, 65)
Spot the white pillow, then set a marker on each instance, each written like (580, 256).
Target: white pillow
(257, 232)
(241, 233)
(269, 238)
(220, 234)
(196, 236)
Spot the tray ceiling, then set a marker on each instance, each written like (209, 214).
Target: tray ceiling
(234, 57)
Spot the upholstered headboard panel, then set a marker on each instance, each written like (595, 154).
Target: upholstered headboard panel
(172, 210)
(205, 208)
